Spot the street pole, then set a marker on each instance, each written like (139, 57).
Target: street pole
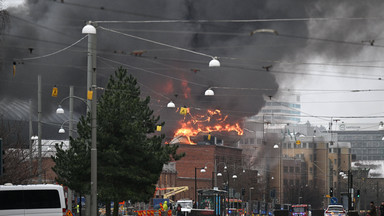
(249, 207)
(280, 191)
(39, 132)
(30, 140)
(350, 189)
(195, 187)
(215, 177)
(70, 135)
(90, 30)
(196, 195)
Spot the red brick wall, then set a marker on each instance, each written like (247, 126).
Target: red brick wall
(198, 156)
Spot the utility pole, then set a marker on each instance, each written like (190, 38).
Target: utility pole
(39, 132)
(30, 140)
(90, 30)
(71, 95)
(350, 190)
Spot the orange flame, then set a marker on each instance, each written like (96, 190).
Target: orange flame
(213, 121)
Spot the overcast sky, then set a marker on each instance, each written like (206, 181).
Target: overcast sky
(330, 53)
(12, 3)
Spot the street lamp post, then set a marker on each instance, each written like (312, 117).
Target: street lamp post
(349, 176)
(60, 110)
(276, 146)
(249, 207)
(39, 129)
(203, 171)
(90, 30)
(350, 190)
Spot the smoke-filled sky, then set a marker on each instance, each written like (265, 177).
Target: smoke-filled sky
(325, 51)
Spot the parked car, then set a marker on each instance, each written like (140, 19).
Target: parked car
(335, 210)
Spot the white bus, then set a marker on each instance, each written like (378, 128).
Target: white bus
(32, 200)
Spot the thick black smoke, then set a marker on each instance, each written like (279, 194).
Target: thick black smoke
(41, 27)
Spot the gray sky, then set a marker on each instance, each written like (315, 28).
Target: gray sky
(323, 53)
(12, 3)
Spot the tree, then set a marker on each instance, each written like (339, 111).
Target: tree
(72, 165)
(130, 155)
(18, 168)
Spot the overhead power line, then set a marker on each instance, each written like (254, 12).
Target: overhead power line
(54, 53)
(244, 21)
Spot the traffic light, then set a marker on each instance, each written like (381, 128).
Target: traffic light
(358, 193)
(243, 191)
(331, 191)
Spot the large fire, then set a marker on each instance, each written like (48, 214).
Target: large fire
(212, 121)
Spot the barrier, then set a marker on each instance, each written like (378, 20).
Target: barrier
(152, 212)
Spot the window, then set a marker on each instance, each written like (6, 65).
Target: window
(291, 169)
(310, 170)
(285, 182)
(285, 169)
(36, 199)
(11, 200)
(29, 199)
(297, 169)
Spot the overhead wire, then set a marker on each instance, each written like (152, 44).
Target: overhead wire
(151, 72)
(142, 84)
(53, 53)
(155, 42)
(40, 26)
(244, 20)
(328, 64)
(103, 8)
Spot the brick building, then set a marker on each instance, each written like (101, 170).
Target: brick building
(214, 158)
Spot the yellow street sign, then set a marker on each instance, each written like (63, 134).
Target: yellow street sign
(298, 142)
(158, 127)
(183, 111)
(54, 92)
(90, 95)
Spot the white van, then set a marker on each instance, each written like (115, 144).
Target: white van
(32, 200)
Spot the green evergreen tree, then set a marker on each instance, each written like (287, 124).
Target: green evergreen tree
(73, 165)
(130, 155)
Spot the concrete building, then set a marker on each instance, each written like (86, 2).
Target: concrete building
(340, 160)
(305, 167)
(365, 145)
(280, 109)
(305, 164)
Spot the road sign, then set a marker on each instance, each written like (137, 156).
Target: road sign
(334, 200)
(298, 142)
